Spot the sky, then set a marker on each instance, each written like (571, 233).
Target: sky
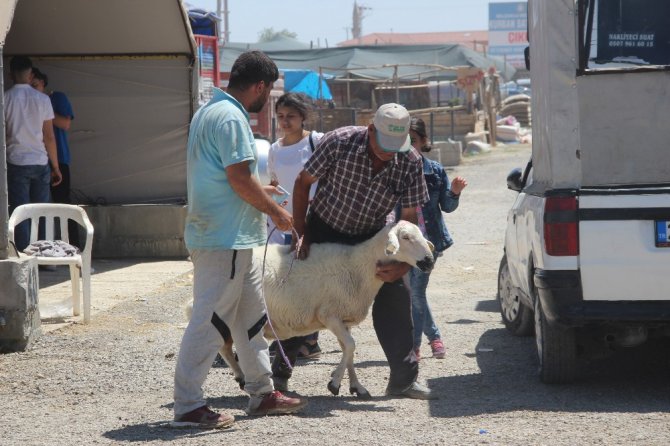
(327, 22)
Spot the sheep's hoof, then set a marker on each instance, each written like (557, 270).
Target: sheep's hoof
(361, 395)
(240, 382)
(335, 390)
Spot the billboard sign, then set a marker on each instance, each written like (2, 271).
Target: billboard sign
(208, 66)
(508, 32)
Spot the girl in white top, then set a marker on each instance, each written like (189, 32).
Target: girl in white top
(289, 153)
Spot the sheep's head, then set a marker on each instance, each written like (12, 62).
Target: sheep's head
(407, 244)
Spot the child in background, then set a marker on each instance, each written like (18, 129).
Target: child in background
(443, 198)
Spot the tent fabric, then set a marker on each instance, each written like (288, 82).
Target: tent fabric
(622, 144)
(307, 82)
(555, 109)
(6, 14)
(128, 69)
(128, 140)
(203, 22)
(585, 131)
(87, 27)
(335, 61)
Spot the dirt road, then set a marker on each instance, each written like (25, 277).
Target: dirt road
(111, 382)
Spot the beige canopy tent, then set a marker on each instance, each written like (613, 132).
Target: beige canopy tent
(127, 67)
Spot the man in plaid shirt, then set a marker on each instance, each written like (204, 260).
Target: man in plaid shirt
(363, 173)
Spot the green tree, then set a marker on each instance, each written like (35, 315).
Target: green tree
(269, 34)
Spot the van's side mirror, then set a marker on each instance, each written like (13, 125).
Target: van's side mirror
(514, 180)
(526, 57)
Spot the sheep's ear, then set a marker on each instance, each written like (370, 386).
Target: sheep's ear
(430, 245)
(392, 244)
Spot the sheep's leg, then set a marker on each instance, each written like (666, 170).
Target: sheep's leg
(346, 363)
(227, 354)
(348, 345)
(354, 385)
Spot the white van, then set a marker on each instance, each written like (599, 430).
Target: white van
(587, 246)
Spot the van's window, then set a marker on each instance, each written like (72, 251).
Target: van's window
(624, 34)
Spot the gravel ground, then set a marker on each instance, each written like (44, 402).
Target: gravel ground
(111, 382)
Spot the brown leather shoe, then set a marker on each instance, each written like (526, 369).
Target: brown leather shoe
(203, 418)
(274, 403)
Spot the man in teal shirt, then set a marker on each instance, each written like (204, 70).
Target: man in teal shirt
(226, 203)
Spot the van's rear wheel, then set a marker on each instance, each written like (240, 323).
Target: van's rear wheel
(516, 316)
(556, 349)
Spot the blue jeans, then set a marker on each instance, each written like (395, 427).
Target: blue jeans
(27, 184)
(421, 315)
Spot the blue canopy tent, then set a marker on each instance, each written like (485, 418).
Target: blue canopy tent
(203, 22)
(307, 82)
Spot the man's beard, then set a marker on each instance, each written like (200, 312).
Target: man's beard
(258, 105)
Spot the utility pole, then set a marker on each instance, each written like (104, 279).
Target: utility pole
(358, 15)
(224, 34)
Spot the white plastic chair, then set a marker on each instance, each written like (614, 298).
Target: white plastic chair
(50, 211)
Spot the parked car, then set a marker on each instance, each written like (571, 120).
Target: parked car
(584, 270)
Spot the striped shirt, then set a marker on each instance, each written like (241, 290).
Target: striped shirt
(350, 198)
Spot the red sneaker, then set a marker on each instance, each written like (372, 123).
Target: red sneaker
(274, 403)
(203, 418)
(438, 349)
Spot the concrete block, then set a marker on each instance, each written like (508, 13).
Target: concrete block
(434, 155)
(149, 231)
(19, 311)
(451, 152)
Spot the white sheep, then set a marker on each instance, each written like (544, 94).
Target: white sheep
(332, 289)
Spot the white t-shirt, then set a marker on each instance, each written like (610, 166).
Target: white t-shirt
(284, 165)
(26, 109)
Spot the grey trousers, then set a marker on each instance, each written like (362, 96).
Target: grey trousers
(227, 301)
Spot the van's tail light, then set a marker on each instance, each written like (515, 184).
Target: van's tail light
(561, 230)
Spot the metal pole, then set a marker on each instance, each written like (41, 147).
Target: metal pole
(432, 128)
(4, 211)
(226, 28)
(396, 82)
(452, 124)
(218, 14)
(224, 34)
(320, 93)
(505, 66)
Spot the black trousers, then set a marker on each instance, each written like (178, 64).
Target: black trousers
(391, 316)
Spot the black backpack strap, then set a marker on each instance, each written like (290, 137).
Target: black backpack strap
(311, 141)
